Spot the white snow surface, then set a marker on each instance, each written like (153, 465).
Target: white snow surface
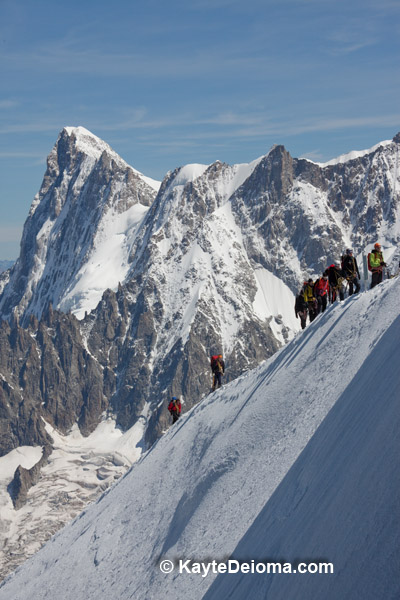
(296, 460)
(188, 173)
(274, 299)
(26, 456)
(108, 263)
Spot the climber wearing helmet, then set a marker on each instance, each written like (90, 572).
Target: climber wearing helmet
(376, 264)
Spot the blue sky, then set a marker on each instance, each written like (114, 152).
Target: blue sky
(169, 83)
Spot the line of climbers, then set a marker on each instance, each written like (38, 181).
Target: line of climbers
(217, 369)
(311, 300)
(313, 296)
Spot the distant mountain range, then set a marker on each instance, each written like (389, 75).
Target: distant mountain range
(125, 286)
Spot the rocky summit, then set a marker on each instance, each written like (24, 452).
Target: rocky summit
(125, 286)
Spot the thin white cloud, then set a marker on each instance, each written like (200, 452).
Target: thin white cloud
(352, 38)
(248, 124)
(257, 124)
(111, 65)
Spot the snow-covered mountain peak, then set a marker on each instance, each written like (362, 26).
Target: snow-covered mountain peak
(216, 182)
(87, 142)
(222, 178)
(87, 212)
(91, 145)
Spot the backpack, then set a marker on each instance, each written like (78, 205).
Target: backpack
(321, 287)
(217, 364)
(172, 407)
(214, 360)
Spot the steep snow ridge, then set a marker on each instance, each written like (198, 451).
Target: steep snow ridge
(339, 503)
(229, 455)
(274, 299)
(198, 264)
(228, 258)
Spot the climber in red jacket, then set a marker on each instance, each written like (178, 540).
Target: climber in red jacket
(175, 408)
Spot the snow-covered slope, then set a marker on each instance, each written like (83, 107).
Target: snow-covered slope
(293, 461)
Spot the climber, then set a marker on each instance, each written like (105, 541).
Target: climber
(175, 408)
(350, 271)
(218, 369)
(321, 291)
(308, 292)
(376, 264)
(300, 308)
(335, 276)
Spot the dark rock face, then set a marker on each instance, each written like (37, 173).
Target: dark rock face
(24, 479)
(47, 374)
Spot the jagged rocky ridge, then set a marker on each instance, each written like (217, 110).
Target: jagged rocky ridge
(198, 261)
